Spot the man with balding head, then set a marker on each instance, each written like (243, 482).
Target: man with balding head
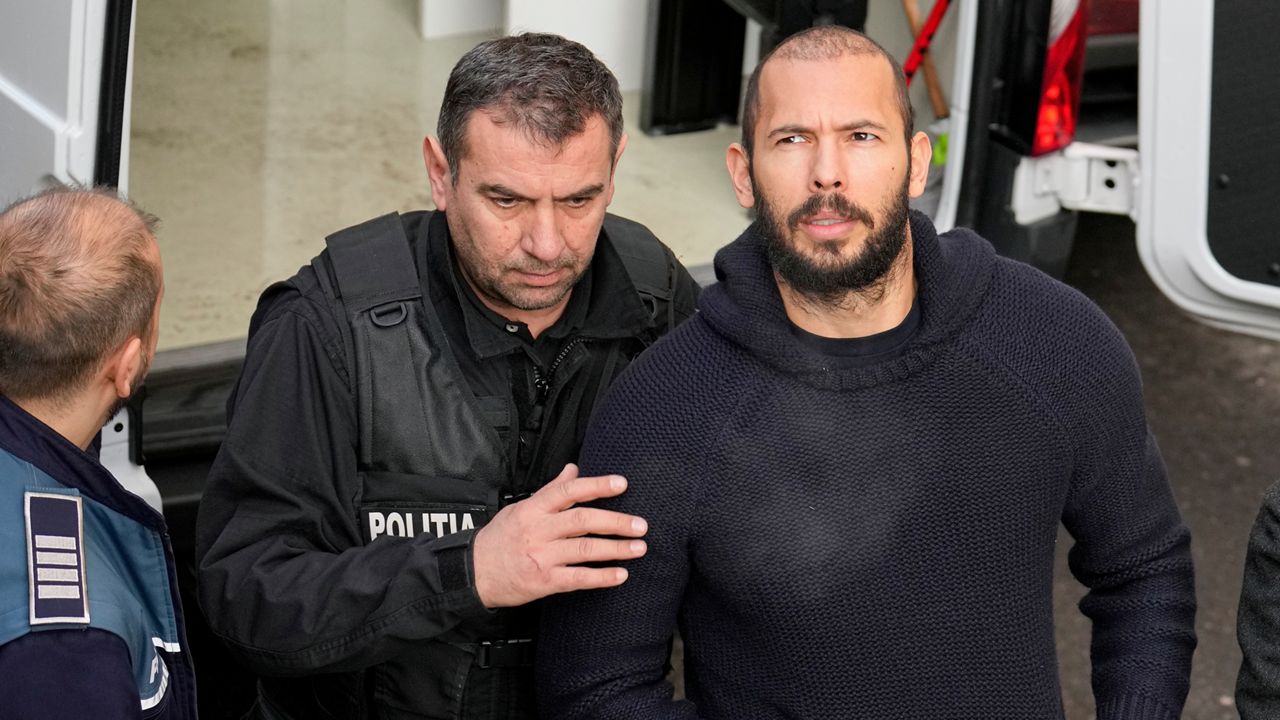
(855, 459)
(90, 621)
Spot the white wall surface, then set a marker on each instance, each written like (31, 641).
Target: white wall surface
(440, 18)
(613, 29)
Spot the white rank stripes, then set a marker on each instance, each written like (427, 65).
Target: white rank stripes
(55, 559)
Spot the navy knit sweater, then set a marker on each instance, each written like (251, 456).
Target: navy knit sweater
(878, 542)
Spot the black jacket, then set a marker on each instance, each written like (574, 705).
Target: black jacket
(1258, 620)
(290, 575)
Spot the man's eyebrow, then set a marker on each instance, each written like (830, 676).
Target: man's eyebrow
(847, 127)
(863, 125)
(500, 190)
(789, 130)
(587, 192)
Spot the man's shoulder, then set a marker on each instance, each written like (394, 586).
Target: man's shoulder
(632, 230)
(1052, 335)
(647, 260)
(310, 296)
(662, 281)
(691, 366)
(673, 399)
(297, 299)
(1024, 297)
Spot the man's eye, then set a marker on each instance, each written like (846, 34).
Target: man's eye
(865, 136)
(504, 202)
(577, 202)
(792, 140)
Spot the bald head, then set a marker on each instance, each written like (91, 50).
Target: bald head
(79, 276)
(825, 42)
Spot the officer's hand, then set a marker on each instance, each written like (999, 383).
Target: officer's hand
(533, 548)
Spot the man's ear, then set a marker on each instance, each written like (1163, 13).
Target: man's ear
(921, 157)
(438, 172)
(622, 145)
(123, 366)
(739, 165)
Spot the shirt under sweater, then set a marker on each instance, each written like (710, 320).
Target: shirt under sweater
(877, 541)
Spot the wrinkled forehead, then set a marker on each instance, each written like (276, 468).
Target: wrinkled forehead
(504, 156)
(499, 131)
(842, 88)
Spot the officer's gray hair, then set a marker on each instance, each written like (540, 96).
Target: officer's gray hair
(78, 278)
(544, 84)
(824, 42)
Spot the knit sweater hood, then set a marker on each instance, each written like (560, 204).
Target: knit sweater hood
(953, 272)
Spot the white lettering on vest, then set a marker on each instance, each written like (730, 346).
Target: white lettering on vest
(406, 523)
(395, 525)
(439, 519)
(377, 525)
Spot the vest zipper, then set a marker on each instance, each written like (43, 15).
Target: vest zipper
(543, 385)
(543, 381)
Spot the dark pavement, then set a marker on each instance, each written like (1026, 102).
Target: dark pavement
(1212, 399)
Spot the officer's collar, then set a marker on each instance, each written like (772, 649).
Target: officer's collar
(604, 304)
(25, 437)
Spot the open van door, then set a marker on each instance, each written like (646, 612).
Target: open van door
(64, 93)
(65, 70)
(1208, 220)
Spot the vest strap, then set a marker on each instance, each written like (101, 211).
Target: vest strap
(415, 412)
(373, 264)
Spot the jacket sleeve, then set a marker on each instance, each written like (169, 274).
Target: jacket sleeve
(1258, 621)
(284, 578)
(1132, 549)
(68, 673)
(606, 653)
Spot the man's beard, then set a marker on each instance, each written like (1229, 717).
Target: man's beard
(831, 283)
(491, 278)
(491, 283)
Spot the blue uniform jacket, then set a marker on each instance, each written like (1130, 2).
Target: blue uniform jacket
(90, 619)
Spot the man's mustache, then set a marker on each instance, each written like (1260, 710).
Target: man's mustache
(831, 202)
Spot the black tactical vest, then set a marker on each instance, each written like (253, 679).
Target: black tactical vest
(431, 458)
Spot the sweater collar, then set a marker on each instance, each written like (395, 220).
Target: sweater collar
(952, 273)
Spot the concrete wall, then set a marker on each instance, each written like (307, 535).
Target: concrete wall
(615, 31)
(440, 18)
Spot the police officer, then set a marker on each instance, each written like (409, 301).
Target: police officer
(90, 621)
(396, 486)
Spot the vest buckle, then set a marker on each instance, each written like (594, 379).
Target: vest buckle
(505, 653)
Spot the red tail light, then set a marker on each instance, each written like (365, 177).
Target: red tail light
(1060, 93)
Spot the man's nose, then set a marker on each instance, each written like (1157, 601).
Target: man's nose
(542, 237)
(828, 168)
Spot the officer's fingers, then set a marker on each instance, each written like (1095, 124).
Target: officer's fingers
(593, 549)
(594, 521)
(568, 490)
(569, 472)
(569, 579)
